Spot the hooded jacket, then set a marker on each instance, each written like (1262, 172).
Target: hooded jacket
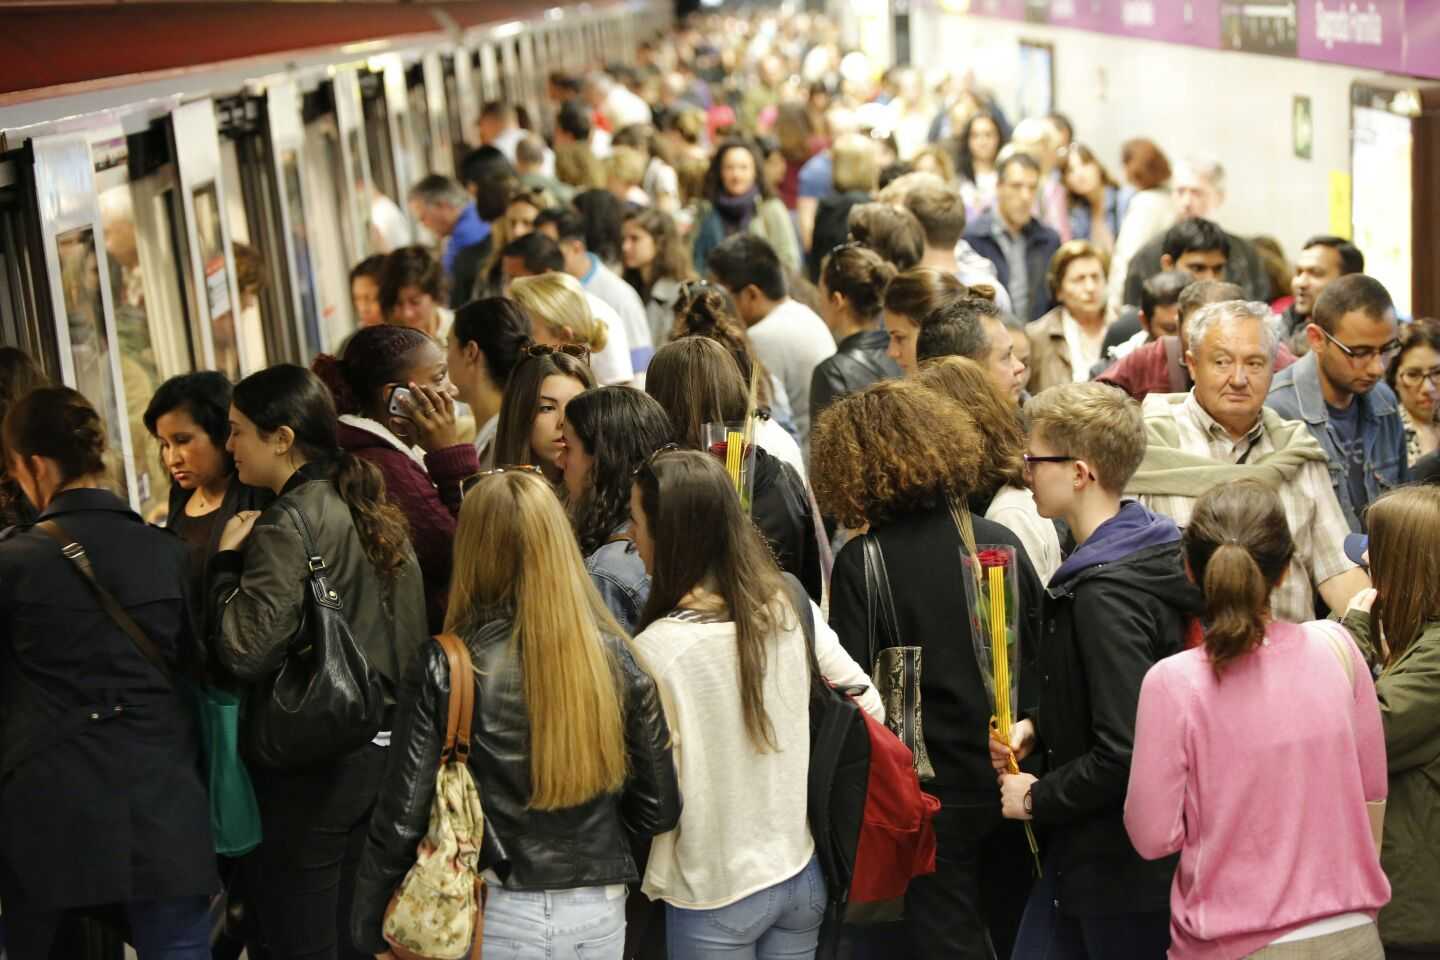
(1117, 605)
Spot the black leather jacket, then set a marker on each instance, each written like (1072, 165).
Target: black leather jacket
(529, 849)
(859, 360)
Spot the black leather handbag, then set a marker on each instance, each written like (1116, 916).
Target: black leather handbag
(324, 701)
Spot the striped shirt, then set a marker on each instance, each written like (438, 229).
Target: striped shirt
(1316, 521)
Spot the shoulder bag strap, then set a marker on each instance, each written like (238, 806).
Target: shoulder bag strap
(451, 646)
(74, 551)
(879, 597)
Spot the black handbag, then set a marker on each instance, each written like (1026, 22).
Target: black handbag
(324, 700)
(894, 668)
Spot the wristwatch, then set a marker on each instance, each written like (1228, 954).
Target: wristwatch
(1027, 804)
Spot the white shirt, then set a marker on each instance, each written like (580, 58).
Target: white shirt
(611, 365)
(1085, 348)
(717, 854)
(391, 226)
(791, 341)
(1014, 509)
(776, 441)
(609, 286)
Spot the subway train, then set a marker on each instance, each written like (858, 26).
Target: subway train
(190, 185)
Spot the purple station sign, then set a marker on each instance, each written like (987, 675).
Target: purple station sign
(1422, 38)
(1192, 22)
(1358, 33)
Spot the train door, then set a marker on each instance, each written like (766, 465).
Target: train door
(531, 79)
(461, 100)
(409, 153)
(336, 188)
(76, 265)
(490, 74)
(26, 321)
(232, 339)
(432, 114)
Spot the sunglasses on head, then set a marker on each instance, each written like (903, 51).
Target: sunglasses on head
(470, 482)
(649, 461)
(576, 350)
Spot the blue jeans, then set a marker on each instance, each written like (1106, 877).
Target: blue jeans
(174, 928)
(782, 921)
(586, 923)
(1047, 933)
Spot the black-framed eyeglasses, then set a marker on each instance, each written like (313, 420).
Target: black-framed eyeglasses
(577, 350)
(649, 461)
(470, 482)
(1385, 352)
(1031, 458)
(1413, 378)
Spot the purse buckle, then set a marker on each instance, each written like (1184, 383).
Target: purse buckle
(317, 564)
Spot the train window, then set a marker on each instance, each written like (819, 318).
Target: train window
(217, 281)
(300, 243)
(90, 347)
(377, 137)
(422, 144)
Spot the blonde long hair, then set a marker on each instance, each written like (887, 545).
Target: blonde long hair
(514, 548)
(558, 301)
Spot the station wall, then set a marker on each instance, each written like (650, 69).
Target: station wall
(1234, 106)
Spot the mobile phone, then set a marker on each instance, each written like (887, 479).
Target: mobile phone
(402, 401)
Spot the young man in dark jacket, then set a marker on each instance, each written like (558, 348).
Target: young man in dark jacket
(1115, 607)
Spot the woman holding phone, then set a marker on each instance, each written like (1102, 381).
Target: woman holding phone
(397, 410)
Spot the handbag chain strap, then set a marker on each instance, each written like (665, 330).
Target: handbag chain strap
(74, 551)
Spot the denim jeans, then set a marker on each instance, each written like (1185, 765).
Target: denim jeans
(1047, 933)
(782, 921)
(585, 923)
(173, 928)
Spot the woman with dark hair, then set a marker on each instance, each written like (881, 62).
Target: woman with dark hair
(189, 416)
(740, 200)
(284, 437)
(19, 374)
(365, 279)
(707, 310)
(396, 403)
(609, 431)
(1404, 609)
(112, 812)
(910, 299)
(852, 283)
(1299, 871)
(412, 292)
(603, 214)
(656, 264)
(1093, 197)
(901, 460)
(723, 637)
(976, 150)
(486, 342)
(697, 383)
(533, 407)
(1414, 375)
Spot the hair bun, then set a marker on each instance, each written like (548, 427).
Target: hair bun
(331, 372)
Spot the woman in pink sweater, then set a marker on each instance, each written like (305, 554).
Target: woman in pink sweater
(1255, 756)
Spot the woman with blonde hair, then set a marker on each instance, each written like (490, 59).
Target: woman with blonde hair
(560, 314)
(1397, 625)
(569, 749)
(1000, 493)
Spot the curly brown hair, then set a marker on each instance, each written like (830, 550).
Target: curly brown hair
(893, 448)
(1003, 441)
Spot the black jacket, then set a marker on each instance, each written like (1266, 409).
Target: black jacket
(859, 360)
(257, 593)
(238, 497)
(1105, 628)
(922, 557)
(1242, 267)
(582, 846)
(780, 507)
(101, 798)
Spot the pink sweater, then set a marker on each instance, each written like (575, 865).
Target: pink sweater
(1260, 782)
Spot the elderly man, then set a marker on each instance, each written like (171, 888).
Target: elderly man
(1199, 191)
(1221, 432)
(1338, 389)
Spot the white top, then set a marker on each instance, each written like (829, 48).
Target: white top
(777, 442)
(1150, 212)
(626, 303)
(743, 827)
(1120, 351)
(484, 438)
(1014, 509)
(612, 365)
(791, 342)
(661, 180)
(1085, 348)
(391, 226)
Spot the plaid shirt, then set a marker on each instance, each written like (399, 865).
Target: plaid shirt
(1314, 515)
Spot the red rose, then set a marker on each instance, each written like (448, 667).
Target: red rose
(994, 557)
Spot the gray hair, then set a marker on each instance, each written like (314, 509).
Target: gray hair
(1209, 169)
(440, 191)
(1214, 313)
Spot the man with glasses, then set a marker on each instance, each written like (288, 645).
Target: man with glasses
(1338, 390)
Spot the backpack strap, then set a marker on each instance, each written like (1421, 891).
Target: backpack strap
(460, 715)
(1174, 365)
(74, 551)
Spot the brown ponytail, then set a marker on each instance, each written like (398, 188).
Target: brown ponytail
(1238, 547)
(383, 529)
